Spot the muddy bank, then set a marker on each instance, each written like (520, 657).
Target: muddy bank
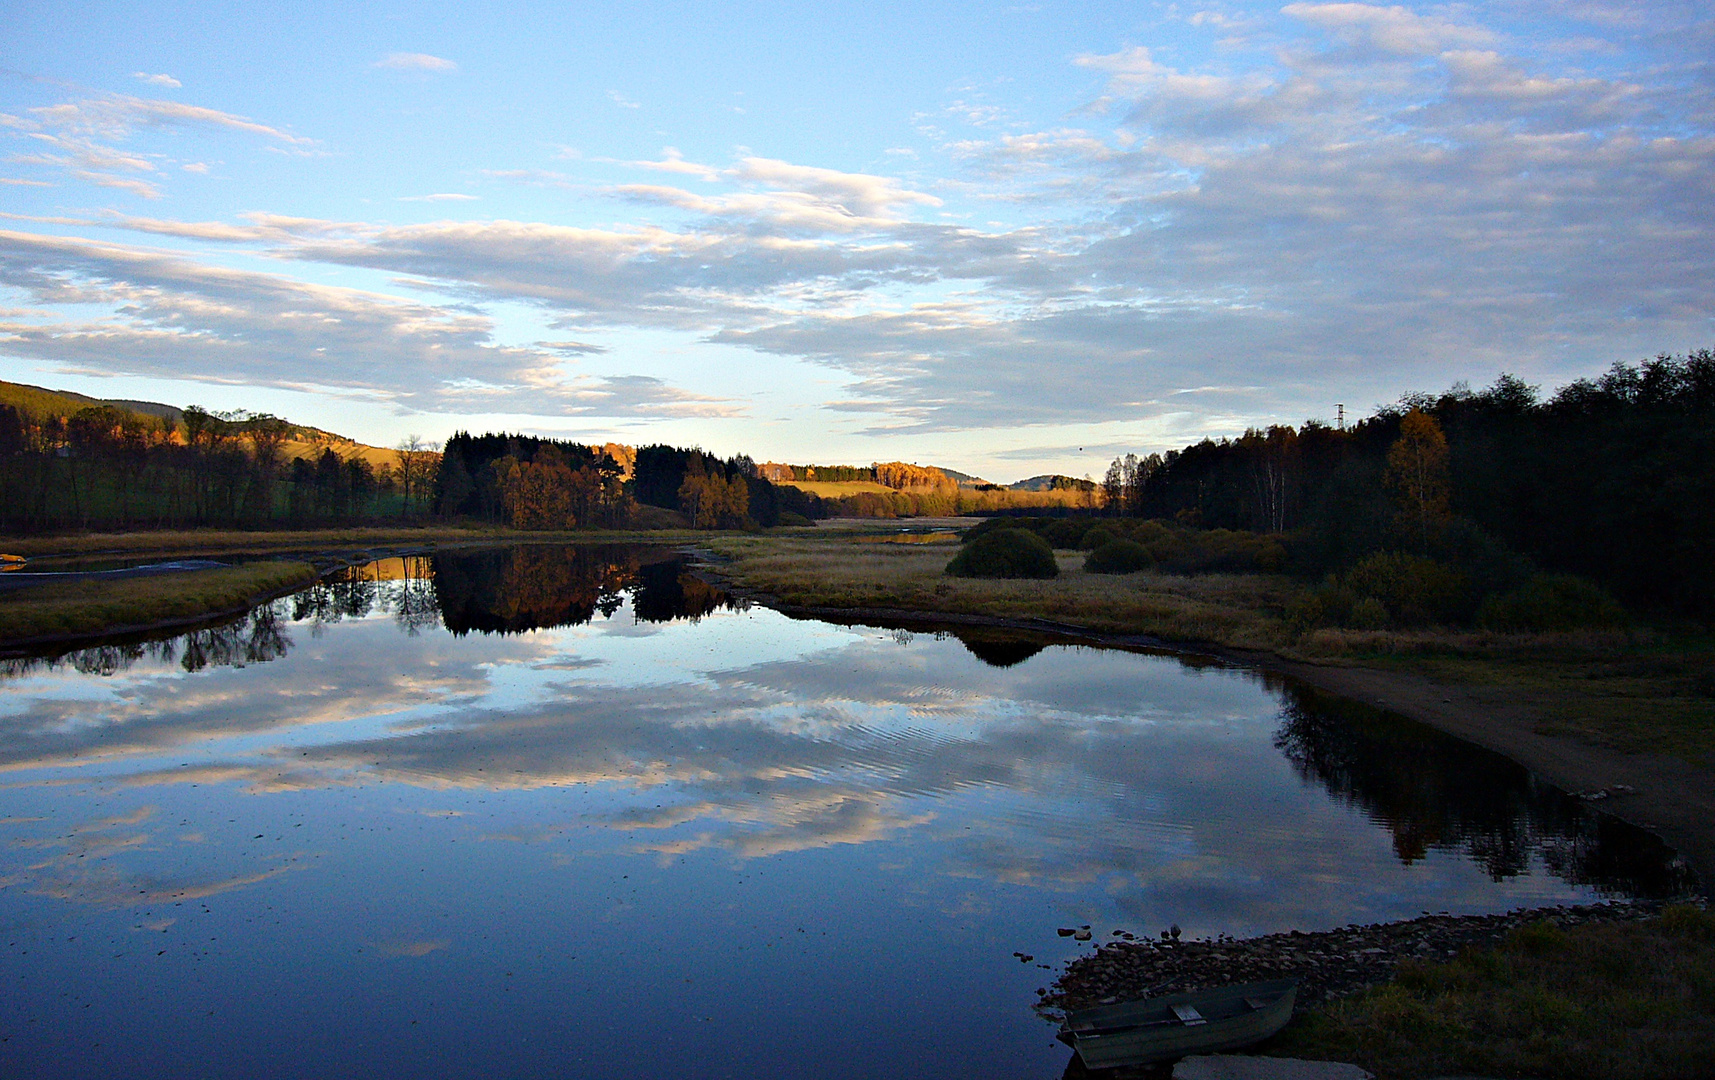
(1328, 964)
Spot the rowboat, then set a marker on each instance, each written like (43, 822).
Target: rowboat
(1174, 1025)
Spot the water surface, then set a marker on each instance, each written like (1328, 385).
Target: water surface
(570, 812)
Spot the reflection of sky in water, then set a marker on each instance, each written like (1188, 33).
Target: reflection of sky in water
(731, 847)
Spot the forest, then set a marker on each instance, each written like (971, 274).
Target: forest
(108, 467)
(1611, 479)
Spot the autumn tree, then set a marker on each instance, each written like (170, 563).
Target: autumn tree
(1416, 474)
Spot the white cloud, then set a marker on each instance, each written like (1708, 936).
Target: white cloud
(404, 61)
(1395, 30)
(81, 138)
(178, 318)
(156, 80)
(622, 101)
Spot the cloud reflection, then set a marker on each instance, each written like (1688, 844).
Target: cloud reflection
(1071, 769)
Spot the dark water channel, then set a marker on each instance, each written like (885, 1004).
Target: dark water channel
(569, 812)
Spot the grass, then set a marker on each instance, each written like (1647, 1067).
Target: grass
(1628, 690)
(1616, 1001)
(203, 542)
(95, 607)
(834, 489)
(853, 571)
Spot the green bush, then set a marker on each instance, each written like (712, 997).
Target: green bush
(1119, 557)
(1551, 602)
(1413, 589)
(1096, 537)
(792, 520)
(1005, 553)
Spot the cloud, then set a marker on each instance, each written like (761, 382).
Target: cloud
(623, 102)
(1394, 30)
(82, 138)
(443, 197)
(403, 61)
(156, 80)
(184, 319)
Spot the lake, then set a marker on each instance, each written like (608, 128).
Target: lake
(571, 811)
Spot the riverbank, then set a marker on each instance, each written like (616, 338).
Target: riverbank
(1599, 992)
(1626, 717)
(72, 608)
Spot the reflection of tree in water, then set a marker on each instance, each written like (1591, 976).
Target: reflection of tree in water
(527, 588)
(998, 648)
(1433, 791)
(255, 638)
(665, 591)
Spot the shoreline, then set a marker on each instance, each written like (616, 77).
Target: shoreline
(1664, 795)
(1328, 964)
(1670, 798)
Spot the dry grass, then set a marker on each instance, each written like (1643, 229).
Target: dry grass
(1629, 690)
(80, 608)
(855, 572)
(1620, 1001)
(204, 542)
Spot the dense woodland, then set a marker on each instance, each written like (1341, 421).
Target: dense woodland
(1611, 479)
(105, 467)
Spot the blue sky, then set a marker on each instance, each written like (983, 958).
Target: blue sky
(1008, 239)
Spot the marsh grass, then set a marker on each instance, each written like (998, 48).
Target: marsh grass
(205, 542)
(1240, 610)
(1610, 1001)
(1625, 689)
(81, 608)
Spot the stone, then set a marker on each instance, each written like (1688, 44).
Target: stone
(1239, 1067)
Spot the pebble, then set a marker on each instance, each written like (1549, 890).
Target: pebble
(1328, 964)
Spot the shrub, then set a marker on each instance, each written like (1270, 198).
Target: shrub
(1005, 553)
(797, 521)
(1119, 557)
(1551, 602)
(1096, 537)
(1414, 589)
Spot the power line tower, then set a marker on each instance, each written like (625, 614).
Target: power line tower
(1339, 416)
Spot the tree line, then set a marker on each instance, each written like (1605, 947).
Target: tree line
(104, 467)
(1609, 478)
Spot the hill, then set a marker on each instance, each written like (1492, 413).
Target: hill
(964, 479)
(303, 441)
(1046, 482)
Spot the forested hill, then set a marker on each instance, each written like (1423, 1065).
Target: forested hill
(1610, 478)
(39, 401)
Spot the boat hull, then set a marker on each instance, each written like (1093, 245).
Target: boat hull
(1140, 1032)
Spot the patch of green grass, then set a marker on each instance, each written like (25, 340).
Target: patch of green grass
(1614, 1001)
(82, 608)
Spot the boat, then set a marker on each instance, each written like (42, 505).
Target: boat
(1174, 1025)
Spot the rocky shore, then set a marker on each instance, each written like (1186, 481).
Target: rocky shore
(1328, 964)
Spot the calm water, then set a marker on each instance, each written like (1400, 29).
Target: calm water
(567, 812)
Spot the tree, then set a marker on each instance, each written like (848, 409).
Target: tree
(418, 463)
(1417, 473)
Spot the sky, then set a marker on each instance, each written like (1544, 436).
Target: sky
(1007, 239)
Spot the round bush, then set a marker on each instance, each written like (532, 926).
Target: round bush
(1097, 537)
(1551, 602)
(789, 519)
(1005, 553)
(1119, 557)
